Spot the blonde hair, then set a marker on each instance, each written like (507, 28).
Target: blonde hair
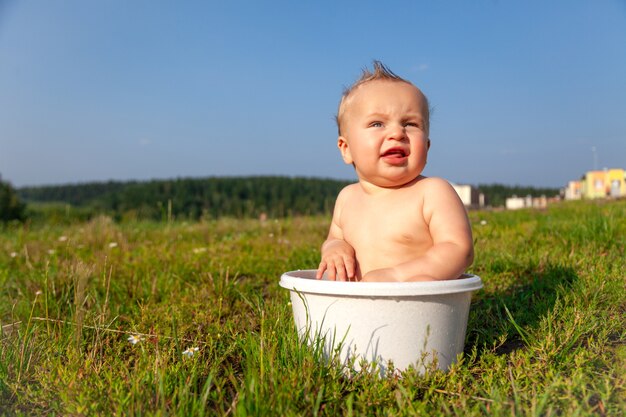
(380, 73)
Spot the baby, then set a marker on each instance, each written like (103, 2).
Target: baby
(394, 224)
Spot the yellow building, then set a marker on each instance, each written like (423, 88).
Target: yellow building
(616, 179)
(603, 184)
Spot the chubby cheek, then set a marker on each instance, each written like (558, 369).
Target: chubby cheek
(364, 154)
(421, 156)
(423, 148)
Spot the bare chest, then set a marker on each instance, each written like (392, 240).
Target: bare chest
(385, 226)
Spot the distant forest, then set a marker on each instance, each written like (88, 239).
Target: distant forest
(195, 198)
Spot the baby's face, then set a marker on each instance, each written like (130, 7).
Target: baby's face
(385, 133)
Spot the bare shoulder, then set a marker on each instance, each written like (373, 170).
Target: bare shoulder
(440, 196)
(348, 192)
(345, 196)
(435, 183)
(434, 187)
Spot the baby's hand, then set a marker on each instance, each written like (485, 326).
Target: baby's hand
(338, 260)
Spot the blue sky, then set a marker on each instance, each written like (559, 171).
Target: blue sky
(97, 90)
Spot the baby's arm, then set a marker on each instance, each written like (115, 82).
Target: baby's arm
(452, 251)
(338, 257)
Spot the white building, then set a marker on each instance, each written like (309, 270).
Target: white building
(515, 202)
(469, 195)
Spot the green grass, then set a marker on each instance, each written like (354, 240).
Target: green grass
(545, 335)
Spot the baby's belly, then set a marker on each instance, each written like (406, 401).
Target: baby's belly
(371, 257)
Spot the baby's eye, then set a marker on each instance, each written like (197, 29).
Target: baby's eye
(376, 124)
(412, 124)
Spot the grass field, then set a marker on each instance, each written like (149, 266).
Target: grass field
(546, 335)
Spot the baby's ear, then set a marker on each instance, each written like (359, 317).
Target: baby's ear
(344, 148)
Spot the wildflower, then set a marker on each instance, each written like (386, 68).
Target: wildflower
(13, 254)
(483, 222)
(134, 339)
(199, 250)
(50, 251)
(190, 351)
(113, 245)
(271, 235)
(62, 238)
(39, 292)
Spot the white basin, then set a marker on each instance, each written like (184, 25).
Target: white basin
(407, 323)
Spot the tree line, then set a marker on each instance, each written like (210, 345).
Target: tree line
(196, 198)
(11, 207)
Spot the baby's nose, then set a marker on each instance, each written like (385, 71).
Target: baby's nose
(396, 132)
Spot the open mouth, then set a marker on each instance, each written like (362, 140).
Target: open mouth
(395, 153)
